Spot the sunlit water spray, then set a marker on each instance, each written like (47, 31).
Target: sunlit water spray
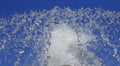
(60, 37)
(64, 50)
(66, 46)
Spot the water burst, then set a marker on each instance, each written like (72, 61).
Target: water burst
(61, 37)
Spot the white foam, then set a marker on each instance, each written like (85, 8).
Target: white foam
(62, 37)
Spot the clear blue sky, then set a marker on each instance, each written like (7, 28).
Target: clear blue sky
(9, 7)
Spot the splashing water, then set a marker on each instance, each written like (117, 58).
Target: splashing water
(61, 52)
(61, 37)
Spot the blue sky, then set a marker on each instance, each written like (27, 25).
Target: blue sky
(9, 7)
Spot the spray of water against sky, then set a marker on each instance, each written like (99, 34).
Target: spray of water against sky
(61, 37)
